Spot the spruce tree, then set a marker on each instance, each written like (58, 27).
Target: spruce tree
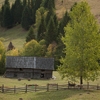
(48, 4)
(44, 3)
(41, 29)
(32, 10)
(29, 3)
(51, 32)
(48, 16)
(18, 9)
(7, 20)
(26, 18)
(30, 35)
(24, 3)
(36, 4)
(32, 4)
(12, 13)
(6, 3)
(64, 21)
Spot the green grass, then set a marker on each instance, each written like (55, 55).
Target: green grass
(17, 35)
(52, 95)
(12, 82)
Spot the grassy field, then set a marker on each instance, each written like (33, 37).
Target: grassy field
(53, 95)
(17, 35)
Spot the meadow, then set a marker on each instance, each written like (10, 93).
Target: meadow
(16, 35)
(69, 94)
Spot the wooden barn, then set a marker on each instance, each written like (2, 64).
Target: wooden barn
(29, 67)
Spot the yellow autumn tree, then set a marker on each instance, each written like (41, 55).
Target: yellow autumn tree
(2, 58)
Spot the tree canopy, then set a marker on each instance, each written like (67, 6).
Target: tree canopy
(82, 45)
(2, 58)
(30, 35)
(32, 48)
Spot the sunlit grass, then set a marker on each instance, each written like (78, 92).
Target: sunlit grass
(69, 94)
(16, 35)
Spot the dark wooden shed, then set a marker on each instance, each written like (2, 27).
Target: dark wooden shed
(29, 67)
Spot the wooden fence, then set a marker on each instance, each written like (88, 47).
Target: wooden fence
(48, 87)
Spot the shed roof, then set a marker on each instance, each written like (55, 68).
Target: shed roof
(29, 62)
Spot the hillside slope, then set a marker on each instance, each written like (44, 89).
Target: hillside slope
(16, 34)
(61, 7)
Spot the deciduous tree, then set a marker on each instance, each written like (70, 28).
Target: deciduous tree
(32, 48)
(2, 58)
(82, 45)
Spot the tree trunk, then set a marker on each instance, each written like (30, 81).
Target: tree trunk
(81, 80)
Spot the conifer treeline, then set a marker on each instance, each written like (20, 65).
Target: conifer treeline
(39, 17)
(18, 13)
(26, 12)
(21, 11)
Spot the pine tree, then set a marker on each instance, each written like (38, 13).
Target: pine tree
(36, 4)
(44, 3)
(24, 3)
(48, 16)
(7, 20)
(31, 35)
(48, 4)
(29, 3)
(26, 18)
(12, 13)
(41, 29)
(55, 19)
(51, 32)
(64, 21)
(18, 9)
(33, 11)
(32, 3)
(6, 3)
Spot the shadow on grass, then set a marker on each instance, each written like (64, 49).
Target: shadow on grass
(57, 95)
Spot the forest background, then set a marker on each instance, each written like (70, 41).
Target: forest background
(37, 26)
